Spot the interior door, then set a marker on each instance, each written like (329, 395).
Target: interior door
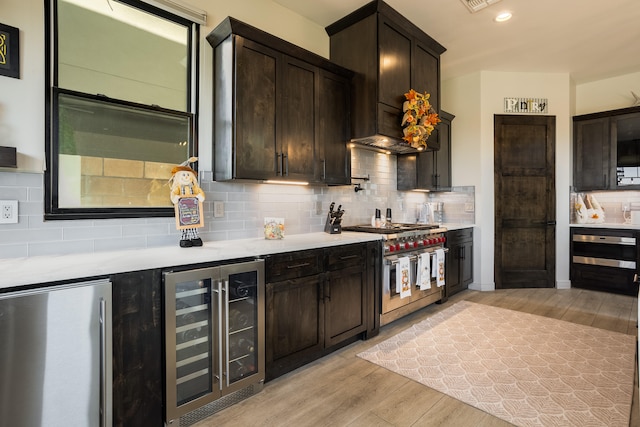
(525, 201)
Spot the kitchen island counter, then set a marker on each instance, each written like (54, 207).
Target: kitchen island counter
(17, 272)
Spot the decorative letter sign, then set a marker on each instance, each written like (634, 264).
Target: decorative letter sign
(526, 105)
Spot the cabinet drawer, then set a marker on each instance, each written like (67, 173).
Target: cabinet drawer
(340, 257)
(460, 235)
(292, 265)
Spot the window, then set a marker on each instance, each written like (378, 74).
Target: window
(121, 107)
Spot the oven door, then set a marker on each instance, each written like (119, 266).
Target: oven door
(390, 297)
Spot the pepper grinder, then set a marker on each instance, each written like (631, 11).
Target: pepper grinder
(388, 216)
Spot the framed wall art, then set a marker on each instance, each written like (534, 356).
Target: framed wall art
(9, 51)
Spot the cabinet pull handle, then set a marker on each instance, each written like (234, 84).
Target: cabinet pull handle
(304, 264)
(277, 164)
(285, 166)
(344, 258)
(226, 329)
(103, 363)
(324, 169)
(218, 299)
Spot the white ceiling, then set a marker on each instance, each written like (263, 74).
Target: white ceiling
(589, 39)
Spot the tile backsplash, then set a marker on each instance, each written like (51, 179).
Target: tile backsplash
(245, 206)
(612, 203)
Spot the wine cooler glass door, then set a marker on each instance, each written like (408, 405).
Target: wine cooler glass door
(244, 301)
(242, 321)
(192, 305)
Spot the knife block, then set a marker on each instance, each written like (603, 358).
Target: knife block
(332, 228)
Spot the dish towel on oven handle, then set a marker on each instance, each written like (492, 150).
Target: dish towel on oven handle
(424, 273)
(403, 277)
(438, 267)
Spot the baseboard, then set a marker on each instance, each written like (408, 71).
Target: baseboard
(483, 286)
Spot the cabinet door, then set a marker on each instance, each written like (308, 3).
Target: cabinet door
(137, 349)
(298, 121)
(466, 264)
(425, 78)
(334, 130)
(345, 302)
(592, 170)
(294, 324)
(256, 110)
(442, 158)
(394, 80)
(452, 269)
(625, 135)
(426, 170)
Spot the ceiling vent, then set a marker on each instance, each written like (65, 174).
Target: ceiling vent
(476, 5)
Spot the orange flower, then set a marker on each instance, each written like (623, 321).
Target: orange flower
(411, 95)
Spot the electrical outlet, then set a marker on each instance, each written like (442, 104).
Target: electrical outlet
(8, 211)
(469, 207)
(218, 209)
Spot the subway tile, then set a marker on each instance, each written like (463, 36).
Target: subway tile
(60, 247)
(104, 245)
(84, 233)
(14, 250)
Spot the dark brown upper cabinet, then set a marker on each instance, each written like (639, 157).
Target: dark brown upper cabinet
(429, 170)
(280, 112)
(606, 150)
(390, 56)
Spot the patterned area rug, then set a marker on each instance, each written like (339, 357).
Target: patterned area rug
(525, 369)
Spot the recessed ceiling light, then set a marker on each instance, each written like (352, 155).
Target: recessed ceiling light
(504, 16)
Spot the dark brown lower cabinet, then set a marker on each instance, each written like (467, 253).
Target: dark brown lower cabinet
(310, 316)
(459, 260)
(137, 349)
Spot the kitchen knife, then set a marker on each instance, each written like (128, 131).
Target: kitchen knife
(331, 207)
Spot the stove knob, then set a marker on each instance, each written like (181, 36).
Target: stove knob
(441, 239)
(390, 248)
(425, 242)
(415, 244)
(444, 239)
(406, 245)
(397, 246)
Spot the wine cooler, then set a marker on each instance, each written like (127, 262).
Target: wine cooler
(214, 339)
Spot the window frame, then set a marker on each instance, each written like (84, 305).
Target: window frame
(51, 209)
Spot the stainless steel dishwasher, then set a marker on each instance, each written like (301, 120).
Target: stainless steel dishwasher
(604, 259)
(55, 356)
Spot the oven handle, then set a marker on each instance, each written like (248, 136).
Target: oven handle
(411, 257)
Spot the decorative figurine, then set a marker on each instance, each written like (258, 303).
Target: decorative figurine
(187, 197)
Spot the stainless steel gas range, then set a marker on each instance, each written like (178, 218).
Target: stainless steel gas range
(402, 242)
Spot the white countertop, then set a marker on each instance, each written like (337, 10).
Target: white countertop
(609, 225)
(453, 227)
(43, 269)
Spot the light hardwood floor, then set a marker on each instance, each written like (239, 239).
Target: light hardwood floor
(344, 390)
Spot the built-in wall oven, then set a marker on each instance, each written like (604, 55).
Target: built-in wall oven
(604, 259)
(401, 243)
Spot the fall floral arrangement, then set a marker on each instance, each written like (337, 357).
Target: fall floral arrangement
(419, 117)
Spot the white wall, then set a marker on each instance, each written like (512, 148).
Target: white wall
(475, 100)
(608, 94)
